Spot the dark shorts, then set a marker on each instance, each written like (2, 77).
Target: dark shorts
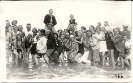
(34, 49)
(40, 55)
(19, 50)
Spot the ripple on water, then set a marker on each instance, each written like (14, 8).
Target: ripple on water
(71, 71)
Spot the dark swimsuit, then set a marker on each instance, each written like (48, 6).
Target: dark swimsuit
(81, 47)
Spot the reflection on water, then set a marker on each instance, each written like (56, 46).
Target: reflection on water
(71, 71)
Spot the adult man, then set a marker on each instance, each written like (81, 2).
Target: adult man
(50, 21)
(117, 39)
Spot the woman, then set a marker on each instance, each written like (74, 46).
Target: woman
(18, 49)
(27, 47)
(42, 47)
(14, 34)
(102, 43)
(94, 42)
(33, 47)
(92, 29)
(80, 46)
(73, 49)
(109, 43)
(8, 43)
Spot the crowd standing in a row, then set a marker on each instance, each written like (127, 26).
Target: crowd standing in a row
(100, 45)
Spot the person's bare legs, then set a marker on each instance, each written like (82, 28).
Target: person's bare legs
(122, 61)
(100, 56)
(112, 57)
(20, 57)
(46, 58)
(127, 62)
(61, 58)
(103, 58)
(36, 59)
(77, 56)
(33, 57)
(16, 59)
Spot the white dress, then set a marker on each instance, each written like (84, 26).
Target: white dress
(102, 44)
(41, 45)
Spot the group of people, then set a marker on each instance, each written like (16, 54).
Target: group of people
(98, 46)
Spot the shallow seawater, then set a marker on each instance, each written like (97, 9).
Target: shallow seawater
(70, 71)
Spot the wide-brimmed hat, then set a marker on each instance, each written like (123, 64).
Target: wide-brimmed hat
(14, 21)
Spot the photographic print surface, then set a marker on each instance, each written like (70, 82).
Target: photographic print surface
(66, 40)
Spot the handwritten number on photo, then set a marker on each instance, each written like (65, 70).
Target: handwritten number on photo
(118, 75)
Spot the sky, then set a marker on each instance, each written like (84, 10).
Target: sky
(86, 13)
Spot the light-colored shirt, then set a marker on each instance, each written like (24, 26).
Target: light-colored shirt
(108, 28)
(41, 45)
(94, 42)
(28, 32)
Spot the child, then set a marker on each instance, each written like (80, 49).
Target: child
(72, 24)
(127, 44)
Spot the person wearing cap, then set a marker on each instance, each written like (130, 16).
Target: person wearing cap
(42, 46)
(14, 22)
(50, 21)
(126, 32)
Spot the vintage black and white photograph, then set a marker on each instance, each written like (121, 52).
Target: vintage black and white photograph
(66, 40)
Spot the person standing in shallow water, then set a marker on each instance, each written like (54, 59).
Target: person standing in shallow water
(109, 42)
(50, 21)
(42, 47)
